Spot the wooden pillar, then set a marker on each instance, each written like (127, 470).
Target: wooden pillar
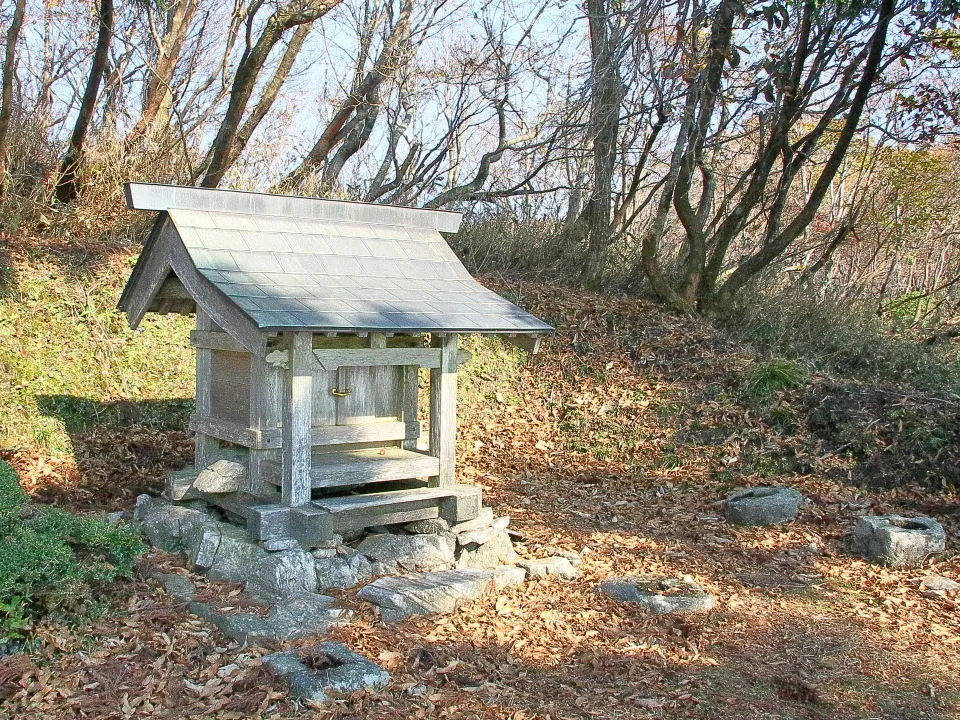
(443, 408)
(266, 392)
(297, 421)
(410, 404)
(207, 449)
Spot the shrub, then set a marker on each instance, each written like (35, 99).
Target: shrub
(839, 336)
(53, 564)
(769, 377)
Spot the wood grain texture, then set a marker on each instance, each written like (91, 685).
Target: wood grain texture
(386, 501)
(266, 408)
(220, 429)
(409, 393)
(363, 466)
(297, 402)
(206, 446)
(230, 386)
(214, 341)
(325, 435)
(443, 409)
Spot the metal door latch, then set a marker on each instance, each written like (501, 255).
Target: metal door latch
(340, 393)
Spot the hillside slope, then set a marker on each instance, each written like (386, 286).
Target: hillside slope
(617, 441)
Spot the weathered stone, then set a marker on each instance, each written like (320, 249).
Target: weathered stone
(434, 526)
(574, 557)
(121, 516)
(334, 572)
(505, 576)
(483, 535)
(481, 521)
(236, 557)
(660, 595)
(180, 587)
(166, 524)
(551, 566)
(280, 574)
(278, 544)
(352, 672)
(938, 584)
(498, 550)
(897, 541)
(361, 568)
(202, 542)
(762, 506)
(426, 594)
(322, 553)
(411, 552)
(298, 616)
(224, 476)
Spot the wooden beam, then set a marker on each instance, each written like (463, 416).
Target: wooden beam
(227, 430)
(371, 357)
(211, 300)
(364, 466)
(410, 405)
(206, 444)
(214, 341)
(529, 343)
(153, 268)
(443, 409)
(297, 411)
(266, 408)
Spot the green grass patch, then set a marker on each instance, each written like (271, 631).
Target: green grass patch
(768, 378)
(53, 564)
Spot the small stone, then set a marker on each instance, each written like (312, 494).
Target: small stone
(498, 550)
(572, 556)
(418, 690)
(280, 574)
(939, 584)
(551, 566)
(479, 537)
(203, 541)
(334, 541)
(897, 541)
(762, 506)
(121, 516)
(180, 587)
(433, 526)
(505, 576)
(660, 595)
(481, 521)
(351, 673)
(227, 670)
(323, 553)
(426, 594)
(224, 476)
(411, 552)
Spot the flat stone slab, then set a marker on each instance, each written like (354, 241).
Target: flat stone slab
(762, 506)
(348, 672)
(496, 551)
(897, 541)
(659, 595)
(541, 568)
(299, 616)
(435, 593)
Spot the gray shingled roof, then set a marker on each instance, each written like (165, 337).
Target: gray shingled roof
(287, 272)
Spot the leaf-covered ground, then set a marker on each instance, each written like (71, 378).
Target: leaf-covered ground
(617, 441)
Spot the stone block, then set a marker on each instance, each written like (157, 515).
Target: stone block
(484, 519)
(224, 476)
(540, 568)
(897, 541)
(482, 535)
(433, 526)
(350, 672)
(660, 595)
(166, 525)
(498, 550)
(411, 552)
(277, 575)
(426, 594)
(762, 506)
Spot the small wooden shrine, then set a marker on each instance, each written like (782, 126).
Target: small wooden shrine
(311, 318)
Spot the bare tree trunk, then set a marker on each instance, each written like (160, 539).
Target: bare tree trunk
(364, 93)
(607, 91)
(6, 90)
(170, 47)
(66, 188)
(294, 13)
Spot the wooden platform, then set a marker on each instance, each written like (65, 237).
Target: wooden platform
(359, 467)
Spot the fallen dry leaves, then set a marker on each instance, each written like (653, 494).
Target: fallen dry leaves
(617, 442)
